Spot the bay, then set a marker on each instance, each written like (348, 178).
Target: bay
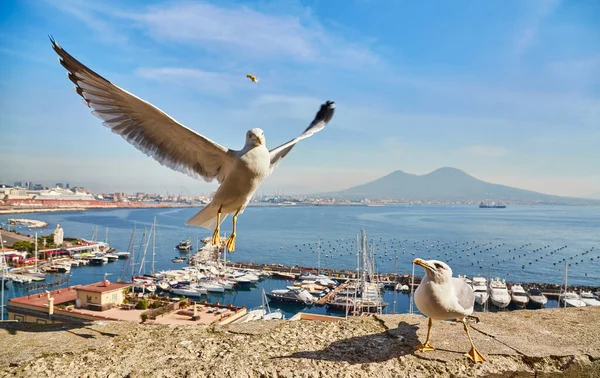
(472, 241)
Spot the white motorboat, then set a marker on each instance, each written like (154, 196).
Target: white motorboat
(212, 287)
(537, 298)
(519, 296)
(111, 257)
(480, 289)
(188, 291)
(499, 293)
(21, 279)
(571, 299)
(228, 285)
(123, 255)
(243, 281)
(293, 294)
(588, 298)
(252, 277)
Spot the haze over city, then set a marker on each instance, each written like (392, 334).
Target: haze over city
(506, 91)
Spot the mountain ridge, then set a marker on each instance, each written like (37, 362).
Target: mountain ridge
(445, 184)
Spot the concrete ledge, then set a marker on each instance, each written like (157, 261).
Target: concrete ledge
(541, 343)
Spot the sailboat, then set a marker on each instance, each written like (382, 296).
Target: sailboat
(142, 281)
(36, 272)
(262, 313)
(566, 298)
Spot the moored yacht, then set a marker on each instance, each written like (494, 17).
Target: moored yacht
(499, 293)
(588, 298)
(570, 299)
(292, 294)
(184, 245)
(519, 296)
(480, 290)
(537, 298)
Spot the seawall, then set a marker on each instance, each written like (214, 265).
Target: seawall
(541, 343)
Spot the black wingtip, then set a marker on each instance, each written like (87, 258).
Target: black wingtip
(55, 45)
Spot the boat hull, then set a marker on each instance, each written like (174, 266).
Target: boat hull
(282, 299)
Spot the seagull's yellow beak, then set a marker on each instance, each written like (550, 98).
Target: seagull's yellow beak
(424, 264)
(260, 140)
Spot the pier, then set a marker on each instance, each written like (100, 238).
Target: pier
(331, 294)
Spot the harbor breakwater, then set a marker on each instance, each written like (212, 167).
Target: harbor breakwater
(392, 278)
(545, 343)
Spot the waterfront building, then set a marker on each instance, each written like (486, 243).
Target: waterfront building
(101, 296)
(58, 235)
(72, 304)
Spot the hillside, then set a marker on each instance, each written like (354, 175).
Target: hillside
(445, 184)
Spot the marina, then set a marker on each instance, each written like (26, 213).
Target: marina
(137, 254)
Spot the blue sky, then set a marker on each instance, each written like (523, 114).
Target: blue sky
(508, 91)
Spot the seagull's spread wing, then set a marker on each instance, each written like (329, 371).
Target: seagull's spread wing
(323, 116)
(146, 127)
(465, 294)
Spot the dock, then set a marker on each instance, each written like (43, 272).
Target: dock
(331, 294)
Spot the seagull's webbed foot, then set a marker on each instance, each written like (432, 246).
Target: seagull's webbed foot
(230, 242)
(474, 355)
(424, 347)
(216, 238)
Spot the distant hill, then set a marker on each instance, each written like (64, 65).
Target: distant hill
(593, 195)
(444, 184)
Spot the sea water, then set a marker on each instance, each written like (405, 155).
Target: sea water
(501, 243)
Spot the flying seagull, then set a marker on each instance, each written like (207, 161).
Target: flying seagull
(441, 296)
(252, 77)
(156, 134)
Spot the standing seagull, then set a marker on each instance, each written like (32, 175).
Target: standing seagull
(441, 296)
(153, 132)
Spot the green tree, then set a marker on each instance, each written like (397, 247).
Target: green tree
(142, 304)
(24, 245)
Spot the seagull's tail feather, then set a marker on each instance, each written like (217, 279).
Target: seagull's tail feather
(206, 217)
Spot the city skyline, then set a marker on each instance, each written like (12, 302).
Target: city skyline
(515, 103)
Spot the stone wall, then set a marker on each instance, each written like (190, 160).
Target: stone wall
(541, 343)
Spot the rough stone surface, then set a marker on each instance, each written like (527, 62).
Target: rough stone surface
(541, 343)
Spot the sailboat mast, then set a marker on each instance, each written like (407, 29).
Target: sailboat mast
(153, 244)
(36, 254)
(225, 256)
(318, 254)
(106, 236)
(132, 257)
(143, 262)
(566, 278)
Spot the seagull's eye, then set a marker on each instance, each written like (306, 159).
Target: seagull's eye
(438, 266)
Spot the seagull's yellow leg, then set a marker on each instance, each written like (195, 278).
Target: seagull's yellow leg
(426, 347)
(473, 354)
(216, 238)
(230, 243)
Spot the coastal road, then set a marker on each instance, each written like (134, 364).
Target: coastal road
(10, 238)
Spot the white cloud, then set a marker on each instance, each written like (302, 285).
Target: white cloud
(229, 31)
(212, 82)
(527, 36)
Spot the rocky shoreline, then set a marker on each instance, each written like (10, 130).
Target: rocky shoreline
(544, 343)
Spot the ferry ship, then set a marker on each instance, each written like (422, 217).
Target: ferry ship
(491, 205)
